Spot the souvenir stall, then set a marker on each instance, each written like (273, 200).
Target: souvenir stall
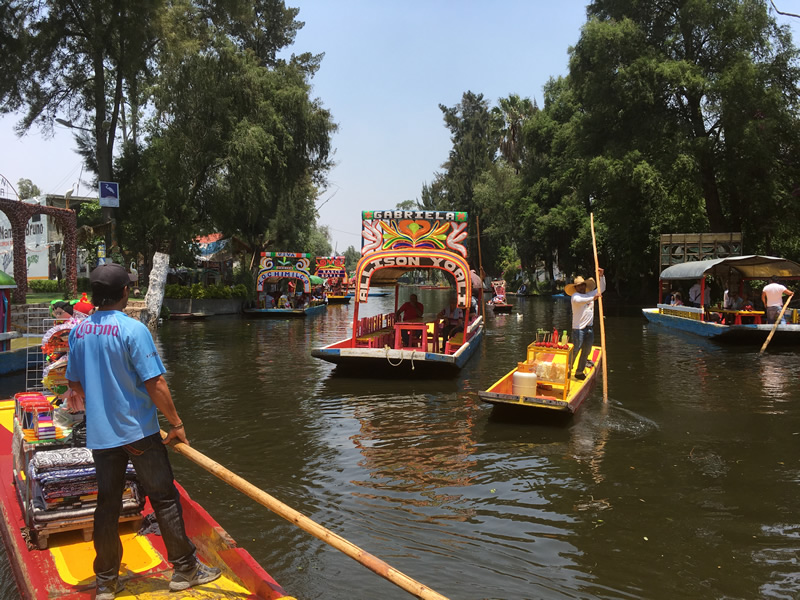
(54, 472)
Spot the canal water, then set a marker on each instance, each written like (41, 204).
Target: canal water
(685, 484)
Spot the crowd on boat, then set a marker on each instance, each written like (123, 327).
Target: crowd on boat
(734, 298)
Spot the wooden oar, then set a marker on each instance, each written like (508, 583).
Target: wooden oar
(600, 312)
(373, 563)
(775, 326)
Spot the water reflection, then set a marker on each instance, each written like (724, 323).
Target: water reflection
(683, 485)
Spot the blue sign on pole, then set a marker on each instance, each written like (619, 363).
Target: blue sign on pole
(109, 194)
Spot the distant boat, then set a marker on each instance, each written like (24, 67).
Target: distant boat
(741, 325)
(415, 348)
(276, 267)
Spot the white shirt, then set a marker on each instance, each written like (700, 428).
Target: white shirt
(583, 306)
(453, 316)
(774, 294)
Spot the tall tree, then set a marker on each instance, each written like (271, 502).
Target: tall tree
(709, 86)
(510, 115)
(475, 142)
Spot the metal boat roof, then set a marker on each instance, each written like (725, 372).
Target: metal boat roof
(751, 266)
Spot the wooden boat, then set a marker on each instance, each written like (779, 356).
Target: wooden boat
(747, 326)
(434, 287)
(498, 302)
(62, 568)
(542, 381)
(331, 269)
(394, 242)
(277, 267)
(188, 316)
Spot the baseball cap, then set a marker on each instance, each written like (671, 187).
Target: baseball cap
(110, 275)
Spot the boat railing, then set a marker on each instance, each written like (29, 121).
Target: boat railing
(474, 325)
(687, 312)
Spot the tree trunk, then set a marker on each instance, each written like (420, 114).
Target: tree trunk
(155, 291)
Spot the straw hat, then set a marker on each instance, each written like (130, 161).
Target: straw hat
(569, 289)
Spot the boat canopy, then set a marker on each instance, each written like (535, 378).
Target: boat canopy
(275, 266)
(751, 266)
(331, 267)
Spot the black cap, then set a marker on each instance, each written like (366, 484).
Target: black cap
(110, 275)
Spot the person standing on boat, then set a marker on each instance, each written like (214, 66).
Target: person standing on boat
(116, 375)
(583, 293)
(772, 297)
(695, 293)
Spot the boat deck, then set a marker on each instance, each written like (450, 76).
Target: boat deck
(549, 394)
(64, 568)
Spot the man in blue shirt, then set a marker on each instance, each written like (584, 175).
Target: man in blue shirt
(116, 373)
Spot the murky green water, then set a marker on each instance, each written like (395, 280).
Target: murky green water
(685, 485)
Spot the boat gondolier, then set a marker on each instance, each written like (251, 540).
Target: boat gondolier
(583, 293)
(115, 372)
(772, 297)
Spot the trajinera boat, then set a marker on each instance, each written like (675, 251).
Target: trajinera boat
(543, 382)
(285, 276)
(47, 532)
(498, 302)
(331, 270)
(394, 242)
(716, 322)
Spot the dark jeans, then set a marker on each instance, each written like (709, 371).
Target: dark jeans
(154, 473)
(582, 340)
(772, 313)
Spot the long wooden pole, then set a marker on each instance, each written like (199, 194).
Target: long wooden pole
(600, 311)
(480, 264)
(775, 327)
(373, 563)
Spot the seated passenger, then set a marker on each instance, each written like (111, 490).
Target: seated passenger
(733, 301)
(677, 299)
(452, 320)
(410, 311)
(283, 301)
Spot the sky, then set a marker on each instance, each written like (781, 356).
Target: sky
(387, 67)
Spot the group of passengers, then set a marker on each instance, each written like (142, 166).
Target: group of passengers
(450, 318)
(772, 300)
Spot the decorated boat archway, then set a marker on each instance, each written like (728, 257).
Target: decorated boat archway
(275, 266)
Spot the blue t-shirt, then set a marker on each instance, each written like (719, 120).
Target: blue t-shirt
(112, 355)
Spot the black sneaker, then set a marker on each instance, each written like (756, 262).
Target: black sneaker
(199, 575)
(580, 376)
(109, 590)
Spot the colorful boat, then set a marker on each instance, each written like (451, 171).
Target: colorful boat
(543, 380)
(498, 302)
(331, 269)
(54, 559)
(394, 242)
(715, 322)
(292, 270)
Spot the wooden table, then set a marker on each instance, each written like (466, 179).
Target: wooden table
(738, 314)
(416, 325)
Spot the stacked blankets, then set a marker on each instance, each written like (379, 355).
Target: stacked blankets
(65, 487)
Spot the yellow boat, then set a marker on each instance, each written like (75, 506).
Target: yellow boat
(54, 560)
(543, 380)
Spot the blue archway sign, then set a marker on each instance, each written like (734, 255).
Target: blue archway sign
(109, 194)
